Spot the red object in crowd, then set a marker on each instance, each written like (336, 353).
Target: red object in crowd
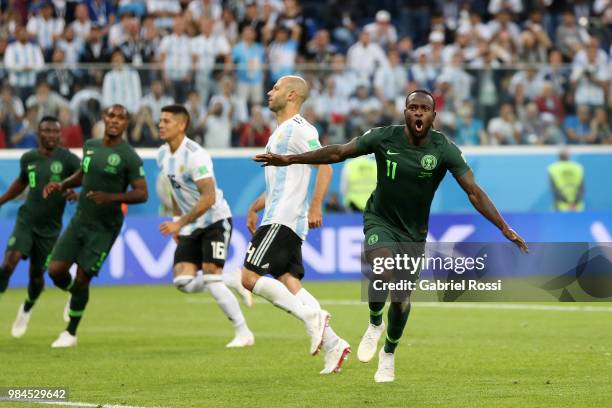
(124, 208)
(252, 137)
(553, 105)
(72, 136)
(2, 139)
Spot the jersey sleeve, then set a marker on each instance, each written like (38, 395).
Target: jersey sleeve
(367, 141)
(73, 163)
(200, 165)
(135, 168)
(23, 168)
(307, 140)
(455, 161)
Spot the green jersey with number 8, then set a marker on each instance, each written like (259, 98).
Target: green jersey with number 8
(37, 170)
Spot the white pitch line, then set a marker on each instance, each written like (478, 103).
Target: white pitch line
(453, 305)
(82, 404)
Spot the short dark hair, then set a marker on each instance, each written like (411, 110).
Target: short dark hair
(176, 109)
(48, 119)
(118, 105)
(423, 91)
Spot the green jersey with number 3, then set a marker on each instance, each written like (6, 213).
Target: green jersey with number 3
(110, 170)
(407, 178)
(37, 171)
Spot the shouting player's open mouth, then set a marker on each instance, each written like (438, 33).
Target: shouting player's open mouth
(418, 125)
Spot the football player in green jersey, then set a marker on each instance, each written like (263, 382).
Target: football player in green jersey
(110, 165)
(411, 162)
(39, 221)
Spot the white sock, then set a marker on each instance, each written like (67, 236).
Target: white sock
(226, 300)
(331, 338)
(278, 294)
(189, 284)
(233, 280)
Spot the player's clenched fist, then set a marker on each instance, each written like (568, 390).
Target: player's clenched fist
(51, 187)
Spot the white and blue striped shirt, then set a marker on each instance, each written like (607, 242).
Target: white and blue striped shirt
(122, 86)
(287, 187)
(177, 51)
(188, 164)
(44, 30)
(19, 56)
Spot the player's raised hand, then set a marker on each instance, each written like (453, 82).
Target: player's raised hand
(51, 187)
(71, 195)
(252, 221)
(514, 237)
(170, 227)
(315, 216)
(99, 197)
(271, 159)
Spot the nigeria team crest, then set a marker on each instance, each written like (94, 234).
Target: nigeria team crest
(114, 159)
(429, 162)
(56, 167)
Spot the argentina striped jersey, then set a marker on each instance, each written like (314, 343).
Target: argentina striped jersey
(287, 187)
(188, 164)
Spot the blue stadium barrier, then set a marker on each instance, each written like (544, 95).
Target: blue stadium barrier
(514, 177)
(142, 256)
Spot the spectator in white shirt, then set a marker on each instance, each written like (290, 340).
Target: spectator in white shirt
(234, 106)
(82, 24)
(389, 81)
(515, 6)
(23, 59)
(364, 56)
(121, 85)
(71, 46)
(46, 29)
(206, 48)
(505, 129)
(156, 99)
(205, 8)
(382, 31)
(218, 127)
(345, 79)
(177, 58)
(164, 11)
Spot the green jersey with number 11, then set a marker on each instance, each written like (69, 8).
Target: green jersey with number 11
(407, 178)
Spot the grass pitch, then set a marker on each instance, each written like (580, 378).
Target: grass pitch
(153, 346)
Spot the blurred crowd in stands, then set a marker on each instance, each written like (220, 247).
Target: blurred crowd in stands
(503, 72)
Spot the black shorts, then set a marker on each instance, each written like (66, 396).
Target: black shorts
(275, 249)
(208, 244)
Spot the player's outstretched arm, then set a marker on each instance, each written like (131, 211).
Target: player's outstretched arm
(71, 182)
(325, 155)
(257, 206)
(481, 201)
(13, 191)
(315, 210)
(206, 187)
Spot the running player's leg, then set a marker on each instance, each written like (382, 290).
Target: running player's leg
(227, 302)
(335, 348)
(11, 259)
(41, 248)
(18, 247)
(79, 290)
(375, 237)
(212, 251)
(269, 252)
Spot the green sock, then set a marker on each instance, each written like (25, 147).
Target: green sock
(78, 301)
(397, 318)
(376, 312)
(35, 288)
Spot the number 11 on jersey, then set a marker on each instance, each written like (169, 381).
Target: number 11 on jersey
(391, 166)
